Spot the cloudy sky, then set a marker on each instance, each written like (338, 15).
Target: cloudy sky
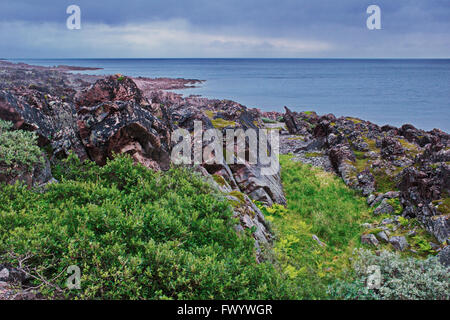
(224, 28)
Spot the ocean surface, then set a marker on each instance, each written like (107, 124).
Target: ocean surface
(383, 91)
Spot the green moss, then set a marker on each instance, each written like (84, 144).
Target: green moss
(210, 114)
(239, 195)
(297, 138)
(443, 205)
(395, 203)
(313, 154)
(219, 180)
(354, 120)
(220, 123)
(411, 149)
(267, 120)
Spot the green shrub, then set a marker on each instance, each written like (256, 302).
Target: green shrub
(135, 234)
(18, 149)
(401, 278)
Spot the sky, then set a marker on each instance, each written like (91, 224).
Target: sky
(225, 29)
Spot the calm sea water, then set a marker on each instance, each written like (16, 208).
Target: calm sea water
(382, 91)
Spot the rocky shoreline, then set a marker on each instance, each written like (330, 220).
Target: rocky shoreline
(404, 172)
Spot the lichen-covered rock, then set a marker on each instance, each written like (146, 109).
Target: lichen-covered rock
(124, 127)
(112, 88)
(369, 239)
(383, 208)
(399, 243)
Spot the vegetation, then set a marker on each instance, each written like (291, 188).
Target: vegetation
(401, 278)
(267, 120)
(135, 234)
(319, 204)
(18, 149)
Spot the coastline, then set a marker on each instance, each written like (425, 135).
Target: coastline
(402, 173)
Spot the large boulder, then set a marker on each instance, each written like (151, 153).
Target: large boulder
(124, 127)
(112, 88)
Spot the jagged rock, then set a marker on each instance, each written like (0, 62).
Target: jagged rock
(399, 243)
(366, 182)
(371, 198)
(383, 236)
(386, 221)
(444, 256)
(124, 127)
(390, 147)
(54, 122)
(369, 239)
(293, 123)
(112, 88)
(263, 188)
(383, 208)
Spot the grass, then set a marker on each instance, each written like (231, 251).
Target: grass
(318, 203)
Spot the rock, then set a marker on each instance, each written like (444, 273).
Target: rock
(369, 239)
(315, 238)
(399, 243)
(366, 182)
(383, 236)
(4, 274)
(390, 147)
(387, 221)
(112, 88)
(370, 199)
(263, 188)
(384, 208)
(444, 256)
(124, 127)
(294, 124)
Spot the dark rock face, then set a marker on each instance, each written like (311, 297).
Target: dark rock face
(54, 122)
(390, 148)
(124, 127)
(112, 88)
(294, 123)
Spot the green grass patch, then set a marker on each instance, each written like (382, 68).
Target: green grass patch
(317, 203)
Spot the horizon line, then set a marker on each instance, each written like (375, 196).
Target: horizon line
(235, 58)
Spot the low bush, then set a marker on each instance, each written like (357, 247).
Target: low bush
(135, 234)
(401, 278)
(18, 149)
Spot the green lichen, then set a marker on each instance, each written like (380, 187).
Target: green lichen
(220, 123)
(239, 195)
(219, 180)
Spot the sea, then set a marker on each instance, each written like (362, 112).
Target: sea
(384, 91)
